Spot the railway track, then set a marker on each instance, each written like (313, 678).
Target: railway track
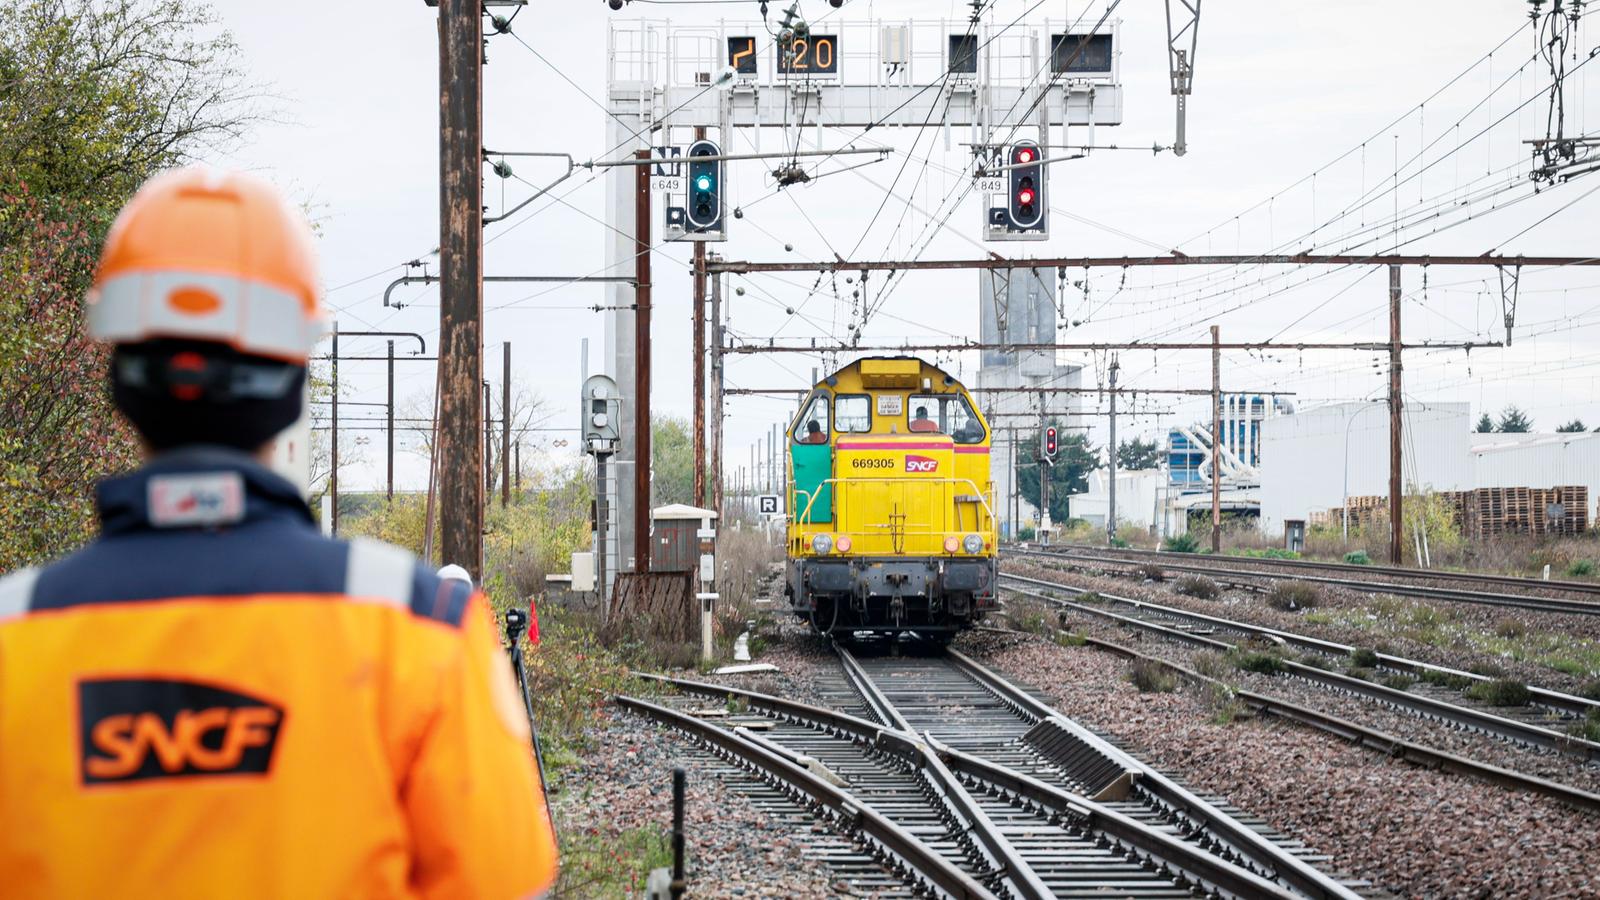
(998, 786)
(1200, 630)
(1216, 565)
(1484, 579)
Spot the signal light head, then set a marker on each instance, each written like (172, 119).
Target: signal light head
(1025, 155)
(703, 183)
(1025, 197)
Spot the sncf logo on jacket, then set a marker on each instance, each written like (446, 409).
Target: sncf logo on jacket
(140, 728)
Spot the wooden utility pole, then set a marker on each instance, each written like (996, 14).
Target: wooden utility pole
(461, 283)
(641, 366)
(1216, 440)
(505, 425)
(698, 330)
(718, 394)
(1396, 513)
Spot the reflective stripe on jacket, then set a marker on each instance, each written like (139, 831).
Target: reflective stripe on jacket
(214, 700)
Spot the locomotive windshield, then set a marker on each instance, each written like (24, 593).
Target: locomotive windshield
(813, 428)
(947, 414)
(852, 414)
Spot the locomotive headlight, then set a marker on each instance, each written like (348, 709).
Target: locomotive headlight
(822, 543)
(952, 544)
(843, 544)
(972, 544)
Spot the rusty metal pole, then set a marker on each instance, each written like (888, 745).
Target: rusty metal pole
(1216, 440)
(461, 283)
(698, 321)
(717, 394)
(641, 367)
(505, 425)
(1396, 512)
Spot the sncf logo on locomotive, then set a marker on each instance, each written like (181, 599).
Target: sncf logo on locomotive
(916, 463)
(135, 729)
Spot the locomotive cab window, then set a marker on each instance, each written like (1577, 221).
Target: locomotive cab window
(946, 414)
(813, 427)
(852, 414)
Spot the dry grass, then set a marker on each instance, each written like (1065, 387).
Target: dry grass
(1197, 586)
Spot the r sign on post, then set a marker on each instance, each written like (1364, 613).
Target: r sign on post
(769, 504)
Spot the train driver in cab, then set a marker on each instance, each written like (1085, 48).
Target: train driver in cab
(922, 423)
(814, 434)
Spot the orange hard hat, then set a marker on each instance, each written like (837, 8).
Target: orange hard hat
(210, 256)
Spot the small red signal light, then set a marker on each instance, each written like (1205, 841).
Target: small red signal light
(1025, 197)
(1025, 155)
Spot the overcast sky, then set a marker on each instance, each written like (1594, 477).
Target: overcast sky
(1281, 91)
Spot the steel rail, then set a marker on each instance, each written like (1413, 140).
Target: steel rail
(1084, 811)
(1570, 703)
(1464, 716)
(1482, 598)
(1272, 858)
(1371, 738)
(996, 849)
(918, 857)
(1198, 864)
(1514, 581)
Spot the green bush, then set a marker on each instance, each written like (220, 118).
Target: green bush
(1590, 690)
(1197, 586)
(1315, 660)
(1268, 553)
(1364, 657)
(1446, 679)
(1361, 672)
(1152, 677)
(1260, 663)
(1581, 568)
(1119, 543)
(1358, 558)
(1071, 639)
(1501, 692)
(1090, 597)
(1588, 729)
(1293, 595)
(1026, 534)
(1181, 543)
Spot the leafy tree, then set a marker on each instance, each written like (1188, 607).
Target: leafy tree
(1513, 421)
(1485, 424)
(1075, 459)
(671, 462)
(1573, 427)
(1138, 454)
(95, 96)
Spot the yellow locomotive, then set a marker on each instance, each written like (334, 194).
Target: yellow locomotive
(892, 512)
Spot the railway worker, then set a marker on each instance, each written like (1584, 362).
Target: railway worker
(213, 699)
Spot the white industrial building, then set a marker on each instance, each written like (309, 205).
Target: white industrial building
(1538, 461)
(1314, 459)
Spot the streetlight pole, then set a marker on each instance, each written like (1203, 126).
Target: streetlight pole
(1344, 509)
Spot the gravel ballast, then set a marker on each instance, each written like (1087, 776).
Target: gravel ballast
(734, 849)
(1411, 831)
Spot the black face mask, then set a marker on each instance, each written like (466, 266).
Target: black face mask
(179, 392)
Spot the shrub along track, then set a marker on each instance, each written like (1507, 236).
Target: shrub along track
(1529, 593)
(1032, 807)
(1196, 630)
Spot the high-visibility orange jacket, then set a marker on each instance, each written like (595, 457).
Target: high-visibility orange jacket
(214, 700)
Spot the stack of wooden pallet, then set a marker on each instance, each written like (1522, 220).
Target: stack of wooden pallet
(1485, 512)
